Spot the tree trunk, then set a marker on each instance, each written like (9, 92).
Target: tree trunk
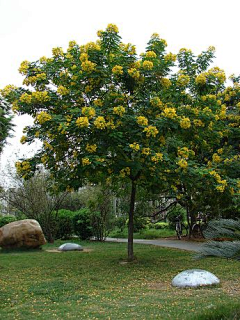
(130, 222)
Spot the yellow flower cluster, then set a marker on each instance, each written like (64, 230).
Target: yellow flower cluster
(222, 114)
(34, 79)
(43, 117)
(91, 148)
(26, 98)
(147, 65)
(165, 82)
(24, 66)
(162, 140)
(142, 121)
(216, 176)
(23, 166)
(169, 113)
(182, 163)
(91, 46)
(43, 59)
(134, 73)
(156, 102)
(98, 103)
(137, 64)
(158, 157)
(185, 123)
(57, 52)
(117, 70)
(222, 183)
(23, 140)
(151, 131)
(218, 73)
(150, 54)
(47, 145)
(119, 110)
(135, 146)
(110, 124)
(82, 122)
(216, 158)
(7, 90)
(72, 44)
(125, 172)
(170, 57)
(183, 152)
(84, 57)
(100, 33)
(184, 50)
(129, 48)
(44, 159)
(40, 96)
(112, 28)
(86, 162)
(89, 112)
(198, 123)
(183, 80)
(100, 123)
(201, 79)
(88, 66)
(146, 151)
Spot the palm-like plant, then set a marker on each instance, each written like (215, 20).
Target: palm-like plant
(224, 239)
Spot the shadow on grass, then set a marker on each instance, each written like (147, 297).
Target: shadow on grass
(19, 250)
(222, 312)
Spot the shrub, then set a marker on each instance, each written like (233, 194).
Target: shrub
(177, 211)
(160, 225)
(6, 219)
(121, 222)
(140, 223)
(65, 224)
(82, 224)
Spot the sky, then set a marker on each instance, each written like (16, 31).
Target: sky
(29, 29)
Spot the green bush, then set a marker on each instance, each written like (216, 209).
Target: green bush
(160, 225)
(82, 224)
(120, 222)
(65, 227)
(177, 211)
(6, 219)
(140, 223)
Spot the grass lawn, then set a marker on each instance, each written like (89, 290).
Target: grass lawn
(98, 284)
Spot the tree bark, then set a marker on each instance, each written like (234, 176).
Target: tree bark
(130, 222)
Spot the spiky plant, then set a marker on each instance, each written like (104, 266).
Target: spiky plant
(223, 239)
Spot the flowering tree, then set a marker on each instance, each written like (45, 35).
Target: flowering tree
(103, 113)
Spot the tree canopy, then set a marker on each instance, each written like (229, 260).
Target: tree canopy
(5, 120)
(105, 113)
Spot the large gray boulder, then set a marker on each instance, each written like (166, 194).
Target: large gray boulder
(195, 278)
(23, 233)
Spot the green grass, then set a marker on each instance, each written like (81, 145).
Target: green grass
(98, 284)
(144, 234)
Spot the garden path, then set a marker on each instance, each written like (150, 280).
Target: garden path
(178, 244)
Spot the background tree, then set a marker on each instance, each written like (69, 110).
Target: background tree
(5, 118)
(103, 113)
(36, 199)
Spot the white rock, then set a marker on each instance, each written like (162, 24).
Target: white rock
(195, 278)
(70, 247)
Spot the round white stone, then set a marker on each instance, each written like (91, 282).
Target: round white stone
(195, 278)
(70, 247)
